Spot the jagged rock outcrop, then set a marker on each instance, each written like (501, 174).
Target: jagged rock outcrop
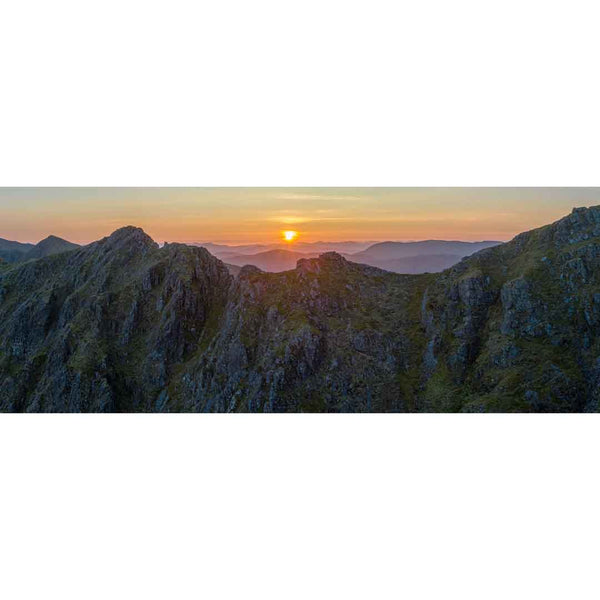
(535, 339)
(330, 335)
(123, 325)
(102, 327)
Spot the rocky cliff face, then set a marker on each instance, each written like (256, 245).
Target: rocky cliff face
(104, 328)
(122, 325)
(327, 336)
(516, 327)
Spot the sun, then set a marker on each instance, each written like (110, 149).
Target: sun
(290, 236)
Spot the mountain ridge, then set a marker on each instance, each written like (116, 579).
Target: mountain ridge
(13, 252)
(123, 325)
(398, 257)
(49, 246)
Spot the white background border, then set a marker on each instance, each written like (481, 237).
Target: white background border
(299, 506)
(288, 93)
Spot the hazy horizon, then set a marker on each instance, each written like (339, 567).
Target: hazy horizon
(244, 216)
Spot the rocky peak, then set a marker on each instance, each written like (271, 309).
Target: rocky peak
(131, 238)
(581, 224)
(332, 258)
(50, 238)
(584, 216)
(49, 246)
(327, 260)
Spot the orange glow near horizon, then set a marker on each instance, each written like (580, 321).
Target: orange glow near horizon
(262, 215)
(290, 236)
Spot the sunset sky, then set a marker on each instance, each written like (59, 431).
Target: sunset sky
(247, 215)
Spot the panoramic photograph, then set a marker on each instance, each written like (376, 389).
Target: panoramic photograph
(299, 300)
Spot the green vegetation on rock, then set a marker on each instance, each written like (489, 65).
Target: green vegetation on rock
(123, 325)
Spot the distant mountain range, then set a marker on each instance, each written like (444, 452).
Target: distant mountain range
(12, 252)
(273, 261)
(125, 325)
(431, 256)
(219, 250)
(393, 250)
